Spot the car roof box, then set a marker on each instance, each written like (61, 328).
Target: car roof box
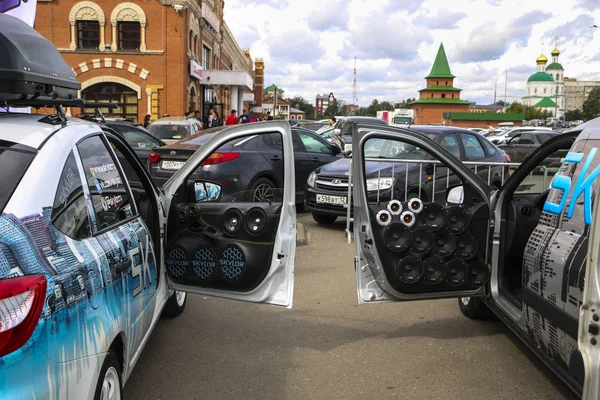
(30, 66)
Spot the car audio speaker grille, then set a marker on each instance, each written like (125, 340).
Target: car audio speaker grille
(204, 263)
(233, 220)
(394, 207)
(466, 246)
(408, 218)
(434, 270)
(384, 218)
(415, 205)
(457, 220)
(232, 262)
(409, 269)
(421, 240)
(256, 221)
(458, 272)
(397, 237)
(478, 273)
(433, 216)
(177, 261)
(444, 243)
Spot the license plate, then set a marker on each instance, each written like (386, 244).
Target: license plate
(324, 198)
(172, 164)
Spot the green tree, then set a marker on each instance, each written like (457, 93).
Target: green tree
(591, 105)
(574, 115)
(386, 106)
(334, 108)
(301, 103)
(537, 113)
(515, 107)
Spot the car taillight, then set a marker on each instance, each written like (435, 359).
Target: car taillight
(153, 157)
(506, 157)
(21, 303)
(218, 158)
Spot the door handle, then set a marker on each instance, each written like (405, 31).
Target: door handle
(122, 266)
(275, 158)
(314, 160)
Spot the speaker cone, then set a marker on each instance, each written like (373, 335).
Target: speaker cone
(384, 218)
(457, 220)
(233, 221)
(422, 240)
(394, 207)
(409, 269)
(478, 273)
(434, 270)
(444, 243)
(397, 237)
(415, 205)
(433, 216)
(232, 262)
(466, 246)
(458, 272)
(204, 263)
(256, 221)
(408, 218)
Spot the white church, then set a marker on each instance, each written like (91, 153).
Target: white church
(546, 88)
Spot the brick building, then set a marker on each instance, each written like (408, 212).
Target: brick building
(322, 102)
(153, 56)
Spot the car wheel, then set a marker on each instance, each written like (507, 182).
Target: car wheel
(474, 308)
(262, 191)
(176, 304)
(324, 219)
(110, 386)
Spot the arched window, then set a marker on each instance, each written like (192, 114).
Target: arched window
(110, 92)
(191, 42)
(87, 26)
(557, 77)
(128, 22)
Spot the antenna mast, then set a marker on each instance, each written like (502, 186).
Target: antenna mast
(354, 94)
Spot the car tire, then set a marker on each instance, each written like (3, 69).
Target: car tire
(324, 219)
(110, 383)
(474, 308)
(176, 304)
(262, 190)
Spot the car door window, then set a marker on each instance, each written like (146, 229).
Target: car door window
(526, 138)
(110, 199)
(489, 147)
(473, 149)
(515, 140)
(69, 210)
(138, 140)
(313, 144)
(450, 143)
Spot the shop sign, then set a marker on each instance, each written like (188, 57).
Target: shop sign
(195, 70)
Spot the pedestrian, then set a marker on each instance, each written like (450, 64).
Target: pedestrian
(147, 120)
(253, 117)
(269, 116)
(197, 115)
(244, 118)
(331, 121)
(232, 119)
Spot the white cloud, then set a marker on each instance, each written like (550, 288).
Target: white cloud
(309, 46)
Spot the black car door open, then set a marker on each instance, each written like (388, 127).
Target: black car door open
(413, 249)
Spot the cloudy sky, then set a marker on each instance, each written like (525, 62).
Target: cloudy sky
(309, 45)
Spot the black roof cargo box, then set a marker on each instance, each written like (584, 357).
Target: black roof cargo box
(30, 66)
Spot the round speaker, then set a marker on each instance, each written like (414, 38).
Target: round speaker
(233, 220)
(415, 205)
(256, 221)
(394, 207)
(397, 237)
(384, 218)
(409, 269)
(458, 272)
(478, 273)
(444, 243)
(232, 262)
(433, 216)
(466, 246)
(422, 240)
(177, 261)
(434, 270)
(204, 262)
(408, 218)
(457, 220)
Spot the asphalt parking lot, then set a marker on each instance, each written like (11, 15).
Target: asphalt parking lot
(328, 347)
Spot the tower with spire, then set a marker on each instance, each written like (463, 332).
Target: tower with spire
(440, 95)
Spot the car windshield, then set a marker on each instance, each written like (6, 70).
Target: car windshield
(170, 131)
(385, 148)
(13, 164)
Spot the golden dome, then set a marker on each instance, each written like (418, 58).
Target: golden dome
(555, 52)
(542, 59)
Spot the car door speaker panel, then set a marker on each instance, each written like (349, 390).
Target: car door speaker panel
(233, 220)
(256, 221)
(429, 247)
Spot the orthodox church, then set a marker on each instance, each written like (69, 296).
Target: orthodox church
(546, 87)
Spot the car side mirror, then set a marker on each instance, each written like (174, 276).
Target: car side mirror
(337, 132)
(455, 195)
(206, 191)
(335, 150)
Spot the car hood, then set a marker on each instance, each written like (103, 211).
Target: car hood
(340, 167)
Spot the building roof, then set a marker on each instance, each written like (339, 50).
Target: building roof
(545, 102)
(440, 101)
(484, 116)
(541, 77)
(272, 89)
(555, 66)
(296, 111)
(440, 68)
(446, 88)
(542, 59)
(555, 52)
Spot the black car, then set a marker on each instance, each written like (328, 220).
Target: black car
(521, 145)
(342, 130)
(326, 190)
(137, 137)
(252, 165)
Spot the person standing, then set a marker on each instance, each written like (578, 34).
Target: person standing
(253, 117)
(232, 119)
(147, 120)
(269, 116)
(244, 118)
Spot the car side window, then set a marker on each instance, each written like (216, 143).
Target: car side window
(515, 139)
(313, 145)
(489, 147)
(527, 138)
(69, 210)
(450, 143)
(138, 141)
(473, 149)
(110, 197)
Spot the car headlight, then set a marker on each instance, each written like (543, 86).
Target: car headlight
(379, 183)
(311, 179)
(348, 147)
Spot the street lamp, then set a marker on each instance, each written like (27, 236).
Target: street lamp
(505, 84)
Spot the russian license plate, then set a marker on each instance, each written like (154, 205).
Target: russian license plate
(172, 164)
(325, 198)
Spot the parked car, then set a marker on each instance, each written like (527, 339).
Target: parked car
(342, 133)
(505, 136)
(326, 132)
(173, 129)
(311, 125)
(522, 144)
(326, 190)
(140, 140)
(252, 165)
(91, 251)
